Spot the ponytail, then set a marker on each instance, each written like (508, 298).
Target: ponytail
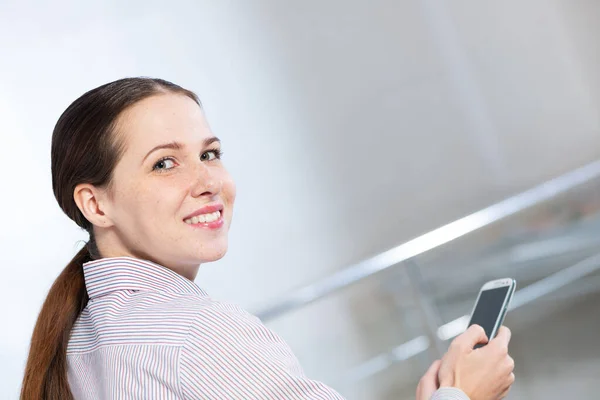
(87, 126)
(46, 371)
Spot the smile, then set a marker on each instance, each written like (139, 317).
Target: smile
(204, 218)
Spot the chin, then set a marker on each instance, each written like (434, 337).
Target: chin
(213, 253)
(206, 258)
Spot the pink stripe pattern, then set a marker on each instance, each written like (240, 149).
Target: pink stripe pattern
(149, 333)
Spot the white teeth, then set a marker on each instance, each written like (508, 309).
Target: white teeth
(212, 216)
(204, 218)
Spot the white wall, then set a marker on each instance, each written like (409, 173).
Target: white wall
(349, 126)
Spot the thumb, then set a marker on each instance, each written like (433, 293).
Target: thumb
(503, 336)
(429, 382)
(473, 336)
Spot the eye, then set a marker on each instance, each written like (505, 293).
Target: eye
(210, 155)
(164, 164)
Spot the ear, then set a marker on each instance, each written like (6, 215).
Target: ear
(90, 201)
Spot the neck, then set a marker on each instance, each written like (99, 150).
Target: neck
(108, 249)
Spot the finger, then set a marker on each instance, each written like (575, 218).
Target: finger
(431, 375)
(511, 379)
(429, 382)
(510, 362)
(503, 337)
(474, 335)
(509, 383)
(505, 393)
(434, 368)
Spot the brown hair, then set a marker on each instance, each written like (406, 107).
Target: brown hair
(84, 150)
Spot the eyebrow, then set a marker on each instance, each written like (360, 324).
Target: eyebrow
(179, 146)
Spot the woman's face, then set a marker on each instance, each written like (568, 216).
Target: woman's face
(171, 199)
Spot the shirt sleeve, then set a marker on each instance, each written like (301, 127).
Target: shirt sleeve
(230, 354)
(449, 393)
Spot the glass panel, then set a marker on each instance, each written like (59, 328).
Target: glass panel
(351, 339)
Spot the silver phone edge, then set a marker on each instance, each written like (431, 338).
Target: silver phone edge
(505, 305)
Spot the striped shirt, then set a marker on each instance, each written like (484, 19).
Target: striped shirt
(149, 333)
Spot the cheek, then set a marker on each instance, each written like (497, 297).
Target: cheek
(148, 203)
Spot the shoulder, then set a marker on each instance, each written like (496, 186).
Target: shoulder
(203, 317)
(230, 353)
(225, 321)
(228, 330)
(196, 312)
(227, 344)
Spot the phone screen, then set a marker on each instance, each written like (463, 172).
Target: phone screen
(488, 309)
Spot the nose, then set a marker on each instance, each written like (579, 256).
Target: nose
(206, 182)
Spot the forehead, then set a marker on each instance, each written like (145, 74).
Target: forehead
(160, 119)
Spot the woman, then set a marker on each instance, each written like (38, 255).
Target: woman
(135, 164)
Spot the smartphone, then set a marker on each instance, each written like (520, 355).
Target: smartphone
(491, 305)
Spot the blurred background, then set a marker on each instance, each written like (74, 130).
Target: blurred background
(390, 157)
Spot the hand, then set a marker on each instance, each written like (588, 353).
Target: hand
(429, 382)
(483, 374)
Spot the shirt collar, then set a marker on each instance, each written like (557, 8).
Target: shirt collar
(127, 273)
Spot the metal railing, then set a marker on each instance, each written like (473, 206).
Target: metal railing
(453, 328)
(431, 240)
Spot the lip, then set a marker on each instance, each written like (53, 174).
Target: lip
(210, 208)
